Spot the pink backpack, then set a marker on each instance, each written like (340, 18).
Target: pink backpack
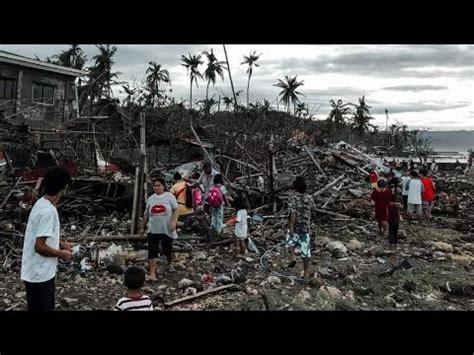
(197, 197)
(215, 197)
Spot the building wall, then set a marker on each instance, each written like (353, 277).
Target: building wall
(7, 106)
(37, 114)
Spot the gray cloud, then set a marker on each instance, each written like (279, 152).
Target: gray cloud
(415, 88)
(379, 107)
(383, 61)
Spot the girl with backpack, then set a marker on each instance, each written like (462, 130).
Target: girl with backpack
(216, 199)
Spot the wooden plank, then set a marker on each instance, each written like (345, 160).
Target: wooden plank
(13, 307)
(328, 186)
(332, 213)
(126, 237)
(199, 294)
(312, 159)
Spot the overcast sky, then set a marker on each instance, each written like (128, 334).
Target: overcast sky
(423, 86)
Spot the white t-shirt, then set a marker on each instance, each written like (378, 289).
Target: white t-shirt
(241, 224)
(415, 188)
(404, 181)
(42, 222)
(159, 209)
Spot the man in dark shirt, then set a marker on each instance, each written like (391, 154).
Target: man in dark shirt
(393, 223)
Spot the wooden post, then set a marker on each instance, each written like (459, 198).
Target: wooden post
(143, 151)
(18, 91)
(134, 216)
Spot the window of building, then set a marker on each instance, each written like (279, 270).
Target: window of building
(43, 93)
(6, 88)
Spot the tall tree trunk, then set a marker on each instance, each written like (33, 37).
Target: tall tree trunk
(248, 86)
(207, 90)
(230, 76)
(191, 94)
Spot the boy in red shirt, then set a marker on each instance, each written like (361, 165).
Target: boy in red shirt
(381, 196)
(428, 193)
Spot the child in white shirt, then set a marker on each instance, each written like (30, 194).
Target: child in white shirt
(241, 225)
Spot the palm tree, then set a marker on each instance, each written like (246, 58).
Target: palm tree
(338, 113)
(250, 61)
(156, 76)
(73, 58)
(302, 109)
(361, 120)
(101, 71)
(208, 104)
(289, 95)
(191, 64)
(227, 102)
(213, 67)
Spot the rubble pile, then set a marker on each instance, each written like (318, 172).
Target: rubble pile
(350, 264)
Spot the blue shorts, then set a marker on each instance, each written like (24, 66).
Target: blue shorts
(300, 241)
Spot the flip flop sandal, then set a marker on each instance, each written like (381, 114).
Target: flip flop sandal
(292, 264)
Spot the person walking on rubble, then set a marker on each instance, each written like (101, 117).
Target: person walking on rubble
(206, 179)
(300, 206)
(182, 190)
(405, 178)
(415, 195)
(217, 197)
(161, 212)
(381, 196)
(42, 245)
(393, 224)
(429, 191)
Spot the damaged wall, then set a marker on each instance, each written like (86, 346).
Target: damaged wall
(41, 98)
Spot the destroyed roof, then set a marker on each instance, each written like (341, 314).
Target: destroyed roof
(7, 57)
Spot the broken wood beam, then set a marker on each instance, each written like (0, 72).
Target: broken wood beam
(125, 237)
(199, 294)
(213, 163)
(328, 186)
(249, 156)
(312, 159)
(13, 307)
(110, 238)
(241, 162)
(10, 193)
(221, 242)
(332, 213)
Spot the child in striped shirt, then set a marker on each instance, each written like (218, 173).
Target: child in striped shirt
(135, 301)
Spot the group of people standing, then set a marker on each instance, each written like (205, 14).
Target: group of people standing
(165, 211)
(418, 192)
